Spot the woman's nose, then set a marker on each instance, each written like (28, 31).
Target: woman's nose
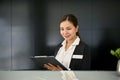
(65, 32)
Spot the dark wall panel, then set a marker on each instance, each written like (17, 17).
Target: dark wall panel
(105, 30)
(22, 35)
(5, 34)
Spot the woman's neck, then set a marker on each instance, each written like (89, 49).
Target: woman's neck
(69, 42)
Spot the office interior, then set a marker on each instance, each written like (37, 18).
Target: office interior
(31, 28)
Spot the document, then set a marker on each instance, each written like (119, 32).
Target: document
(41, 60)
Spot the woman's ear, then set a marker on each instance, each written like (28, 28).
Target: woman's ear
(77, 28)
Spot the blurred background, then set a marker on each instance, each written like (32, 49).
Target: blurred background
(31, 28)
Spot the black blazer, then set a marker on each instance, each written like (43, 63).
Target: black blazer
(79, 64)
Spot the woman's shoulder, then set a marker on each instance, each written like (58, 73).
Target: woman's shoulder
(82, 43)
(58, 45)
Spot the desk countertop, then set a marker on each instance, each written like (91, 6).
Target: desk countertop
(55, 75)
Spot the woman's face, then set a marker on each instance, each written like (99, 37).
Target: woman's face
(68, 30)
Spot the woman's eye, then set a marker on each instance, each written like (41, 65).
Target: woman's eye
(68, 28)
(61, 29)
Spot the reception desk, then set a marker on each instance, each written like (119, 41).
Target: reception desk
(55, 75)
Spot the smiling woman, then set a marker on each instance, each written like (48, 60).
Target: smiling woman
(73, 53)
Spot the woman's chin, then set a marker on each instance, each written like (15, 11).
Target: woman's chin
(67, 39)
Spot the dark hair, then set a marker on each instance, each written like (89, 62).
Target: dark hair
(72, 19)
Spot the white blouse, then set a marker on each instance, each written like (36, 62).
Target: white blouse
(64, 57)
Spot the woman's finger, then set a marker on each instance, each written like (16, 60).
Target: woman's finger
(59, 68)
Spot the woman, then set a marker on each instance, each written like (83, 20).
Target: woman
(73, 53)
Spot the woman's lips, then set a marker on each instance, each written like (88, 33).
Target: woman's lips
(67, 36)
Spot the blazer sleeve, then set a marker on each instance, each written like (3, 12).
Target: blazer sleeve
(87, 59)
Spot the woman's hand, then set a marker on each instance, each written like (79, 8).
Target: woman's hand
(51, 67)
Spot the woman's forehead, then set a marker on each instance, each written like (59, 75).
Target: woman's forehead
(66, 24)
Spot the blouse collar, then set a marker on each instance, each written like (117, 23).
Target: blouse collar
(76, 42)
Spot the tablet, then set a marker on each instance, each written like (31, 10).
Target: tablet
(41, 60)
